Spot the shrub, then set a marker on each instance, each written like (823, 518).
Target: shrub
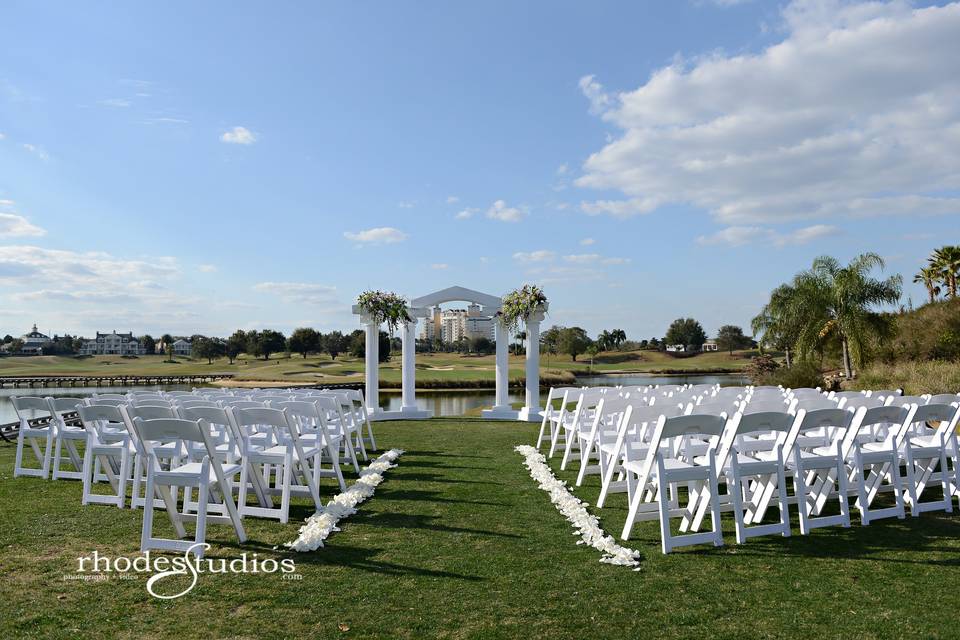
(800, 375)
(761, 368)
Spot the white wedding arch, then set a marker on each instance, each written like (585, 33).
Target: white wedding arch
(418, 308)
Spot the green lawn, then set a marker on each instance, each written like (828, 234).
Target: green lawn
(458, 542)
(432, 369)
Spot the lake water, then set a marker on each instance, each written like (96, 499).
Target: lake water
(455, 402)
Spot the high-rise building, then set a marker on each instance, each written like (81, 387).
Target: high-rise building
(452, 325)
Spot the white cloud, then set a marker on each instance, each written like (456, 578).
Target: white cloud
(439, 266)
(36, 150)
(563, 169)
(2, 136)
(855, 112)
(12, 225)
(377, 235)
(541, 255)
(452, 199)
(500, 211)
(586, 242)
(207, 268)
(238, 135)
(594, 258)
(620, 208)
(466, 213)
(405, 204)
(299, 292)
(740, 235)
(117, 103)
(593, 90)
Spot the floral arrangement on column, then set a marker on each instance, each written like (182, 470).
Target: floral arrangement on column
(385, 307)
(520, 304)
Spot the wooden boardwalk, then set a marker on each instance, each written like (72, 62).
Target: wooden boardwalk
(108, 380)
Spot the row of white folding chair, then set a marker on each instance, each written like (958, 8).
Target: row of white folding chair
(842, 462)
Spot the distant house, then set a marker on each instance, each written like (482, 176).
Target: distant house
(182, 348)
(676, 348)
(105, 344)
(710, 345)
(32, 343)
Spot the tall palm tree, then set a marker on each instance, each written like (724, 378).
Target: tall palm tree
(618, 337)
(604, 341)
(778, 323)
(522, 337)
(929, 276)
(838, 302)
(946, 260)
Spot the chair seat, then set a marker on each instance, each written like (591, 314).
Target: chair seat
(279, 451)
(193, 469)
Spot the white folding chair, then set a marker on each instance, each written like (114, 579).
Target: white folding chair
(314, 431)
(40, 437)
(926, 455)
(105, 450)
(286, 458)
(551, 414)
(669, 463)
(211, 478)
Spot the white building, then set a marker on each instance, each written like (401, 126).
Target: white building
(33, 342)
(453, 325)
(710, 345)
(182, 348)
(120, 344)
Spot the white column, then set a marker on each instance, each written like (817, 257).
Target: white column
(409, 365)
(501, 335)
(372, 338)
(533, 363)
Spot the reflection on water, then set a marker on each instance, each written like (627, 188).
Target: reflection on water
(454, 402)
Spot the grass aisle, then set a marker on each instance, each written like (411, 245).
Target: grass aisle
(459, 542)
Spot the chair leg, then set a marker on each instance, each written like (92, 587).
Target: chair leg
(285, 491)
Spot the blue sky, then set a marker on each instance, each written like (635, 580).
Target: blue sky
(202, 167)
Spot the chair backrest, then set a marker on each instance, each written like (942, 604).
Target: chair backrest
(100, 400)
(64, 405)
(902, 401)
(29, 403)
(944, 398)
(94, 417)
(852, 403)
(695, 424)
(152, 412)
(100, 413)
(885, 392)
(242, 404)
(167, 429)
(830, 424)
(299, 408)
(946, 414)
(193, 404)
(211, 415)
(895, 419)
(109, 396)
(265, 416)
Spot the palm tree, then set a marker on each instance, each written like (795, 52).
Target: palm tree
(778, 323)
(604, 341)
(946, 260)
(618, 336)
(522, 337)
(837, 302)
(929, 276)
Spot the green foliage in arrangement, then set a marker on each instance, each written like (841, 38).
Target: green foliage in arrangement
(520, 303)
(384, 307)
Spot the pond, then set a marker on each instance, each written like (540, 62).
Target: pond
(452, 402)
